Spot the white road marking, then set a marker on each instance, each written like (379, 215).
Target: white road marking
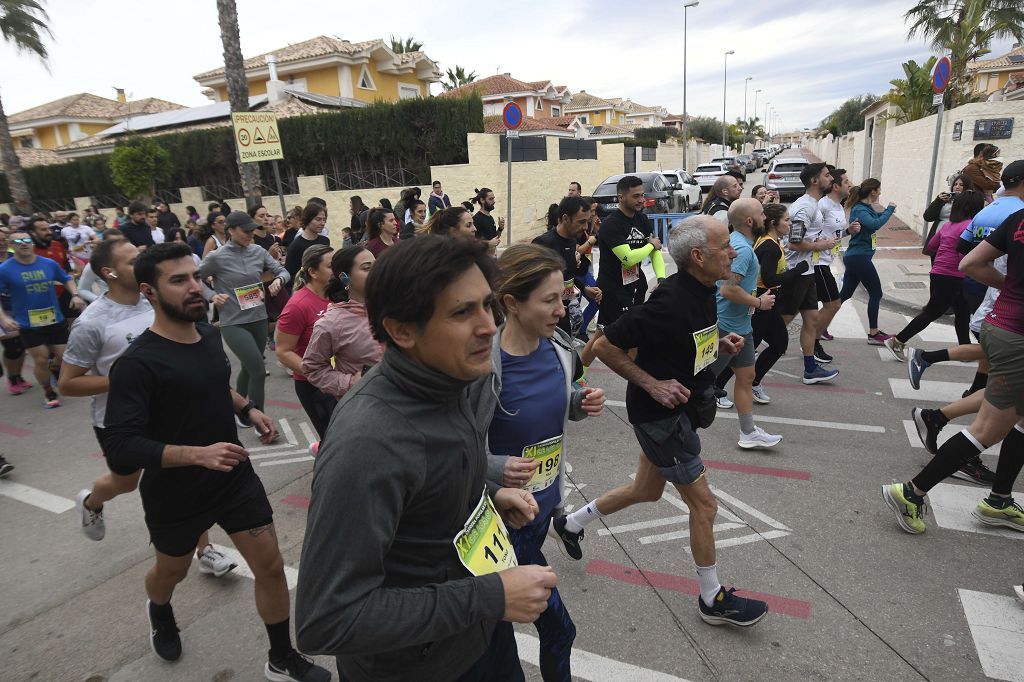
(785, 374)
(292, 460)
(289, 435)
(268, 455)
(743, 506)
(680, 534)
(308, 432)
(945, 434)
(847, 324)
(290, 574)
(952, 504)
(35, 497)
(936, 333)
(997, 627)
(886, 356)
(864, 428)
(932, 391)
(268, 448)
(747, 539)
(642, 525)
(588, 666)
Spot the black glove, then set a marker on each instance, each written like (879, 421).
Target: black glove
(802, 267)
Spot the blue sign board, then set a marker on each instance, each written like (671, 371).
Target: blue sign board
(512, 116)
(940, 77)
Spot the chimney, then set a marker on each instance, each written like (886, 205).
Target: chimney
(120, 96)
(272, 66)
(275, 88)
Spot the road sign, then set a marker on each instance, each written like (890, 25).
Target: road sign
(937, 99)
(256, 136)
(940, 76)
(512, 134)
(512, 116)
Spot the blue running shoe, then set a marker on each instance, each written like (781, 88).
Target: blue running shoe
(728, 609)
(820, 375)
(916, 367)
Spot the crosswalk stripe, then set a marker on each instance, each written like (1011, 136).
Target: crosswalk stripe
(931, 391)
(290, 574)
(289, 435)
(886, 356)
(864, 428)
(936, 333)
(269, 455)
(743, 506)
(643, 525)
(997, 627)
(588, 666)
(847, 324)
(679, 534)
(35, 497)
(291, 460)
(952, 504)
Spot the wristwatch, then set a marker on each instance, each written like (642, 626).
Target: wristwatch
(246, 409)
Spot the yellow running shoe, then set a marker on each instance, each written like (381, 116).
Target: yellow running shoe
(1011, 515)
(910, 515)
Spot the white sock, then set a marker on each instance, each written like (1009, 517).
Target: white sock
(709, 585)
(579, 519)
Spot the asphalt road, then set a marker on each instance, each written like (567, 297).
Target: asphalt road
(852, 597)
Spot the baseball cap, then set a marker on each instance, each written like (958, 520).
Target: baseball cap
(1013, 174)
(240, 219)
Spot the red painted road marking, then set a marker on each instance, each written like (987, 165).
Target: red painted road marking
(762, 471)
(296, 501)
(14, 431)
(97, 455)
(285, 404)
(667, 581)
(823, 388)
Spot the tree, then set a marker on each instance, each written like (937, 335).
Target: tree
(748, 131)
(965, 30)
(912, 95)
(707, 128)
(238, 87)
(410, 44)
(23, 24)
(847, 117)
(457, 78)
(137, 165)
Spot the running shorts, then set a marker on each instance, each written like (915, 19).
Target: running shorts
(745, 358)
(797, 295)
(673, 447)
(50, 335)
(1005, 352)
(825, 284)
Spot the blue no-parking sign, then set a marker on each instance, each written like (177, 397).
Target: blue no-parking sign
(940, 76)
(512, 116)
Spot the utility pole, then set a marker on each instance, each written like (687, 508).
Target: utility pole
(725, 86)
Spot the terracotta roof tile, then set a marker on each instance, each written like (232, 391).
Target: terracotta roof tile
(583, 101)
(493, 124)
(87, 105)
(498, 84)
(29, 157)
(1000, 62)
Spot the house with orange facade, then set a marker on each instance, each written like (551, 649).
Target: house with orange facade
(537, 99)
(1001, 74)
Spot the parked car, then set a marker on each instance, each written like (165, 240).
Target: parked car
(731, 164)
(763, 155)
(783, 176)
(749, 164)
(707, 173)
(658, 194)
(686, 188)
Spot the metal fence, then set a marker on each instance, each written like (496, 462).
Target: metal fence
(663, 222)
(397, 177)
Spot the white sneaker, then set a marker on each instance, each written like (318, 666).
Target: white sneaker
(758, 439)
(213, 562)
(760, 396)
(724, 403)
(91, 522)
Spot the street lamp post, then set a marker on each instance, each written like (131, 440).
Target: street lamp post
(755, 109)
(768, 139)
(686, 6)
(725, 85)
(746, 82)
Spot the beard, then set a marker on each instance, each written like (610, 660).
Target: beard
(43, 242)
(184, 313)
(489, 205)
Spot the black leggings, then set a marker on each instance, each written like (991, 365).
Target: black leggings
(946, 291)
(768, 327)
(318, 405)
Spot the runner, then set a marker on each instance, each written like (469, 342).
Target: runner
(218, 236)
(805, 241)
(381, 230)
(98, 337)
(573, 214)
(834, 224)
(314, 217)
(455, 221)
(737, 303)
(14, 349)
(1001, 416)
(237, 270)
(535, 363)
(30, 281)
(486, 228)
(727, 189)
(585, 247)
(136, 229)
(669, 397)
(415, 589)
(80, 238)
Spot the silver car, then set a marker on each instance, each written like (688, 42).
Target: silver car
(707, 173)
(783, 176)
(685, 186)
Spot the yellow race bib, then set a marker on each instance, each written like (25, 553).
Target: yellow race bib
(874, 241)
(482, 544)
(42, 317)
(249, 296)
(705, 343)
(549, 454)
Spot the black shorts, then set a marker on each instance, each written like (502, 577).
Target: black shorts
(614, 303)
(244, 510)
(797, 295)
(825, 284)
(673, 447)
(50, 335)
(101, 438)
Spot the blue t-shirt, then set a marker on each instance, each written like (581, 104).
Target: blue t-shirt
(531, 409)
(985, 223)
(31, 288)
(735, 317)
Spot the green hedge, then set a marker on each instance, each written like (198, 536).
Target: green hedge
(411, 134)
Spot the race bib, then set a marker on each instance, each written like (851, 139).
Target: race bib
(549, 454)
(705, 343)
(249, 296)
(815, 257)
(482, 544)
(42, 317)
(874, 241)
(631, 274)
(750, 310)
(568, 290)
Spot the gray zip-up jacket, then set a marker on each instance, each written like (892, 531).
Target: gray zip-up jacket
(400, 470)
(567, 355)
(234, 266)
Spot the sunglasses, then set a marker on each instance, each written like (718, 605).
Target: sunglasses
(23, 240)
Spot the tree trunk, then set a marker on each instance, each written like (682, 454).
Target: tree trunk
(238, 88)
(12, 168)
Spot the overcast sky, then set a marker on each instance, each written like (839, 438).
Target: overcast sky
(806, 59)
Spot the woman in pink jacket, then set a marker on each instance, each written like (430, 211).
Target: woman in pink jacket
(342, 346)
(945, 277)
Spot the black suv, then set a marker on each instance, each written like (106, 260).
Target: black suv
(658, 194)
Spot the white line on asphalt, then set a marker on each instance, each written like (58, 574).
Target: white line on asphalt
(864, 428)
(289, 435)
(932, 391)
(275, 462)
(747, 508)
(785, 374)
(936, 333)
(679, 534)
(290, 574)
(268, 448)
(35, 497)
(747, 539)
(588, 666)
(671, 496)
(886, 356)
(307, 431)
(268, 455)
(641, 525)
(945, 434)
(847, 324)
(952, 504)
(997, 627)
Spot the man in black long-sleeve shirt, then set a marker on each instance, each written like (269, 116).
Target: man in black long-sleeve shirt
(138, 231)
(170, 411)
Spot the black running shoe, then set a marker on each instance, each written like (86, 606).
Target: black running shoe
(820, 355)
(732, 610)
(929, 423)
(294, 668)
(570, 541)
(163, 636)
(5, 467)
(975, 472)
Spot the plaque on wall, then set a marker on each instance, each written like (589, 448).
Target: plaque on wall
(958, 130)
(993, 128)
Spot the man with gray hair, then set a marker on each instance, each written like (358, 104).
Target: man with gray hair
(669, 397)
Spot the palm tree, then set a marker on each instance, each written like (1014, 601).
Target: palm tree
(238, 87)
(22, 23)
(410, 44)
(457, 78)
(965, 30)
(912, 95)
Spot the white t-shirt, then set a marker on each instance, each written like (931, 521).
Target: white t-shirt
(989, 301)
(805, 226)
(158, 235)
(79, 236)
(98, 337)
(833, 218)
